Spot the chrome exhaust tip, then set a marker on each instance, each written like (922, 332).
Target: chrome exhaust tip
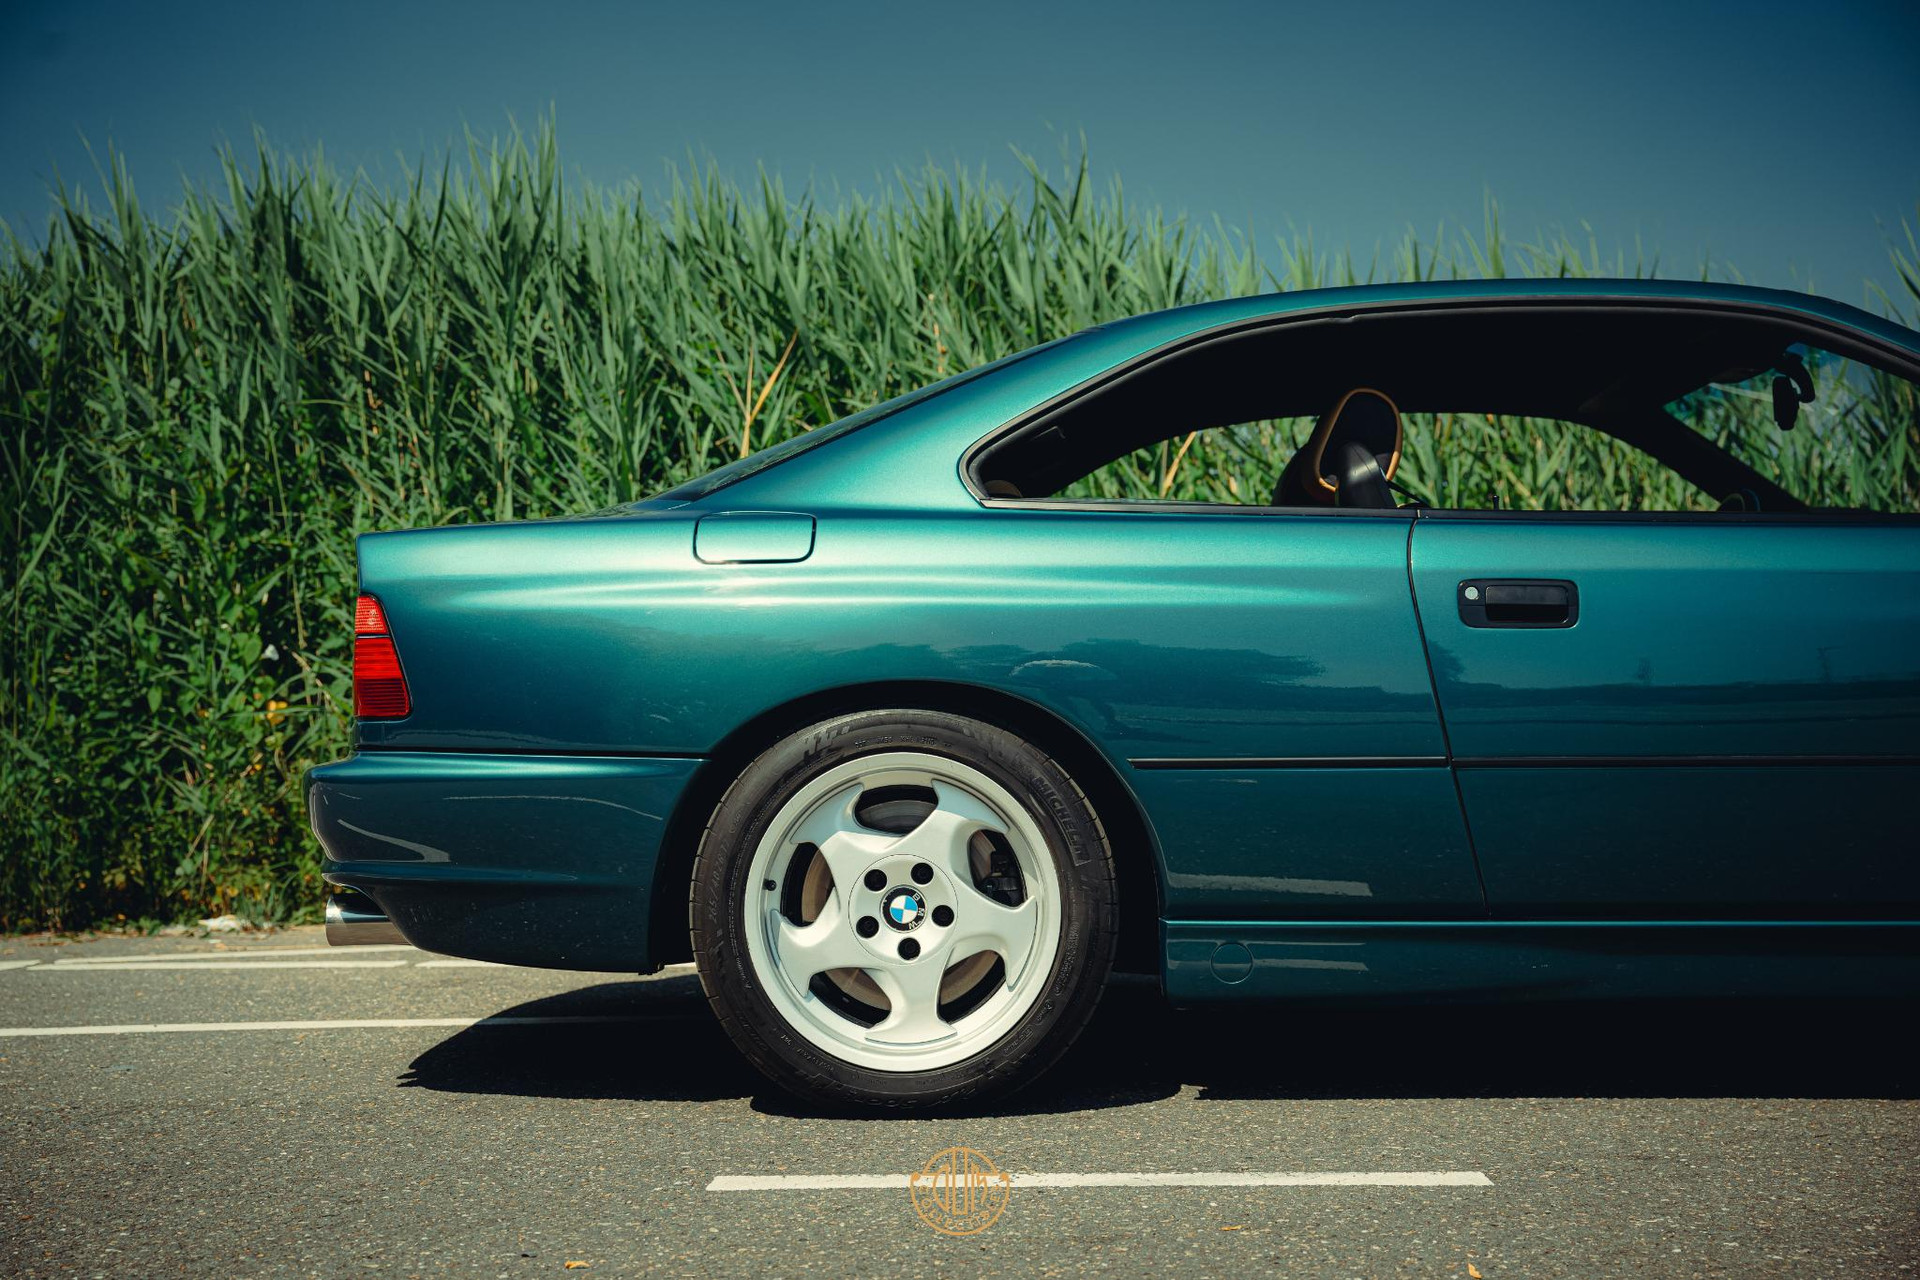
(353, 921)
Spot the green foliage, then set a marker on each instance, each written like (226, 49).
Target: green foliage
(203, 409)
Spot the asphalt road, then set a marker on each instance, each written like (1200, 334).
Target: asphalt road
(1723, 1140)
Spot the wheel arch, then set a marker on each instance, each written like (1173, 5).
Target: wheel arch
(1136, 848)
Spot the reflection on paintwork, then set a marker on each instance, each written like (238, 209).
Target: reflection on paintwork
(638, 813)
(1668, 959)
(1696, 641)
(1059, 665)
(1272, 885)
(1205, 636)
(1615, 843)
(1294, 843)
(1338, 966)
(426, 851)
(554, 873)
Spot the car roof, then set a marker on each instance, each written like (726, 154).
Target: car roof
(1178, 322)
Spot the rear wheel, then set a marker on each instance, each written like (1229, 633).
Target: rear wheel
(903, 908)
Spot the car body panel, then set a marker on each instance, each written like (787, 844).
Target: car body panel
(1159, 636)
(1804, 841)
(1212, 961)
(1181, 637)
(1256, 681)
(1695, 638)
(1728, 726)
(1307, 842)
(542, 860)
(753, 537)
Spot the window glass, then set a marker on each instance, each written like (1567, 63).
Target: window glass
(1465, 461)
(1237, 464)
(1584, 409)
(1511, 462)
(1854, 446)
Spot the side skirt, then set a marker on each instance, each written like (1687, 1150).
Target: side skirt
(1209, 960)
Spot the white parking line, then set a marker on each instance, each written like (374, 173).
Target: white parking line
(335, 1024)
(197, 957)
(168, 966)
(900, 1181)
(215, 960)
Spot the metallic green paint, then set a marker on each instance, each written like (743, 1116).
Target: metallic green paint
(1804, 841)
(1210, 960)
(1695, 637)
(1279, 844)
(1700, 642)
(569, 677)
(753, 537)
(521, 859)
(1153, 635)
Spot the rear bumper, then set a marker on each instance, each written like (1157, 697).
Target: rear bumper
(520, 859)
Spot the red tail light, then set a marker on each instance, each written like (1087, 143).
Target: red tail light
(379, 685)
(369, 619)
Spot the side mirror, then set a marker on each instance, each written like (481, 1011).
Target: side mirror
(1786, 404)
(1793, 388)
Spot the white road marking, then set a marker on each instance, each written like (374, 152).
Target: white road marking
(201, 957)
(1448, 1178)
(336, 1024)
(900, 1181)
(325, 958)
(163, 966)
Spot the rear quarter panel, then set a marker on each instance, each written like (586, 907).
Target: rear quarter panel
(1163, 637)
(1157, 636)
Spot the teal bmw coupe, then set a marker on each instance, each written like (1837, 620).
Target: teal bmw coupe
(1221, 644)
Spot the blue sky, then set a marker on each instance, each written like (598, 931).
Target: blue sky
(1781, 139)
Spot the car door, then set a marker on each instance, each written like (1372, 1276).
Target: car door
(1259, 677)
(1687, 716)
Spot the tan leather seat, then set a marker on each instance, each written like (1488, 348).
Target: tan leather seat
(1349, 456)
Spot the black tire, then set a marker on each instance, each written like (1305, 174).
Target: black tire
(1089, 913)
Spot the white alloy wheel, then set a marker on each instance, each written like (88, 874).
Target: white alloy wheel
(902, 912)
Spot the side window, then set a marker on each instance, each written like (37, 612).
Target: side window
(1601, 408)
(1236, 464)
(1851, 437)
(1464, 461)
(1512, 462)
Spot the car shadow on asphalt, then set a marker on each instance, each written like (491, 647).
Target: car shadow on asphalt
(657, 1040)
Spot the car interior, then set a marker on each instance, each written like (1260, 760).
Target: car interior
(1616, 369)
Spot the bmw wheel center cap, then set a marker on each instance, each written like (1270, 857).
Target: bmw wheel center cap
(904, 908)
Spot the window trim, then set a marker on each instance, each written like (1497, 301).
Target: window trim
(1719, 519)
(1155, 506)
(1841, 339)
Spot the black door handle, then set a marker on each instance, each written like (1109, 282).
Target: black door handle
(1519, 602)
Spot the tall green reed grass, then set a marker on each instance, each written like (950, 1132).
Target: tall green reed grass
(203, 407)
